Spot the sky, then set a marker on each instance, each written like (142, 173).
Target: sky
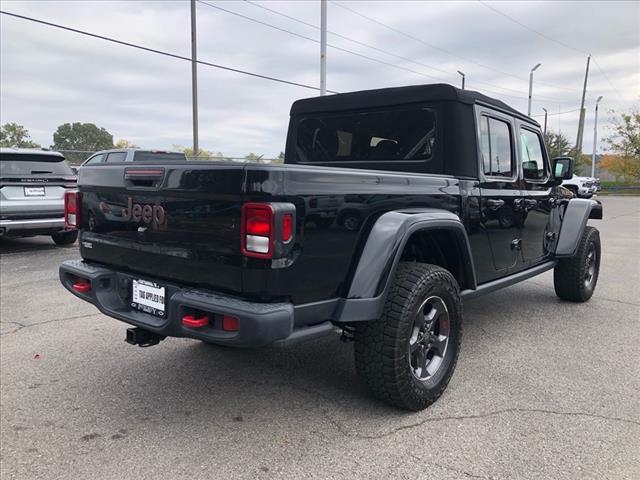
(50, 76)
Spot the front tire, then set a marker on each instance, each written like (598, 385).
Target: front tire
(575, 278)
(407, 357)
(65, 238)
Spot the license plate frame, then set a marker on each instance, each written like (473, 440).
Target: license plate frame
(149, 297)
(34, 192)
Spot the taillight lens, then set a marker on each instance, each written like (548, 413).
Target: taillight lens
(71, 209)
(257, 230)
(287, 227)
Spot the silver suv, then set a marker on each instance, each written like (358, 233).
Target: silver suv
(32, 187)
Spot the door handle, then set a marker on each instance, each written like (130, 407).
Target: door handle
(494, 204)
(516, 244)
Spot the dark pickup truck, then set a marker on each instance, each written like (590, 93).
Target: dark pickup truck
(392, 208)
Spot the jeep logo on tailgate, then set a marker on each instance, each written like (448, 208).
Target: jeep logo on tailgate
(154, 215)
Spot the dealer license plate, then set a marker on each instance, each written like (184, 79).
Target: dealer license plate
(148, 297)
(34, 191)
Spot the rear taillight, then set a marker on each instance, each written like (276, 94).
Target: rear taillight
(267, 229)
(71, 209)
(257, 230)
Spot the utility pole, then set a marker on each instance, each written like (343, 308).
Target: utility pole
(194, 79)
(582, 113)
(462, 74)
(595, 139)
(545, 120)
(323, 47)
(531, 87)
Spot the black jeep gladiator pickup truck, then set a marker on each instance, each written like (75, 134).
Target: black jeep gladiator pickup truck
(392, 208)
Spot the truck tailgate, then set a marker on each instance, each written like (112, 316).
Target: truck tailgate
(179, 221)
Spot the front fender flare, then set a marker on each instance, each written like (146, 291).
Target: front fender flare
(575, 217)
(381, 255)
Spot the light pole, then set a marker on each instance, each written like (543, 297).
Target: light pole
(323, 47)
(531, 87)
(194, 79)
(595, 139)
(545, 120)
(462, 75)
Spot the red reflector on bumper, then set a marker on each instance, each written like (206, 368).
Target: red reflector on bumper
(230, 324)
(82, 287)
(195, 322)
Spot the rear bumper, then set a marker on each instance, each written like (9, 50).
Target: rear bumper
(260, 323)
(27, 225)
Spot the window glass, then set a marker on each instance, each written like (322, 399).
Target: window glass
(96, 159)
(147, 156)
(531, 155)
(495, 147)
(116, 157)
(383, 135)
(26, 164)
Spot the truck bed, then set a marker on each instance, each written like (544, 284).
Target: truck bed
(199, 243)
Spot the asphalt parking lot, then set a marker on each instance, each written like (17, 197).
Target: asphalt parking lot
(543, 389)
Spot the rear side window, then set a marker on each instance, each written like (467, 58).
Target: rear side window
(373, 136)
(495, 147)
(531, 155)
(150, 156)
(26, 164)
(116, 157)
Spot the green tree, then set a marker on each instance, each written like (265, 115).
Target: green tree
(15, 135)
(557, 144)
(122, 143)
(84, 137)
(626, 137)
(202, 154)
(252, 157)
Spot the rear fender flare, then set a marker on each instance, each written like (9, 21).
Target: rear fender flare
(381, 255)
(574, 220)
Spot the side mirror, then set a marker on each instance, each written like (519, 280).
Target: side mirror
(562, 168)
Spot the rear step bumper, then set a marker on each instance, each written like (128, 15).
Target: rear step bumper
(260, 324)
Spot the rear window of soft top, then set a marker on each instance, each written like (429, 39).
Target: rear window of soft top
(151, 156)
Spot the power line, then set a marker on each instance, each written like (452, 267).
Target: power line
(386, 52)
(558, 113)
(551, 39)
(443, 50)
(607, 78)
(526, 27)
(284, 30)
(160, 52)
(366, 57)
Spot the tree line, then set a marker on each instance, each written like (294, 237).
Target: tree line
(78, 140)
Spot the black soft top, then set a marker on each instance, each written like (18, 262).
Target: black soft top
(437, 92)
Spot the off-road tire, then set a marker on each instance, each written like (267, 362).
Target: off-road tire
(570, 275)
(382, 347)
(65, 238)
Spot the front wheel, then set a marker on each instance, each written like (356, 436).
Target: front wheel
(407, 357)
(575, 278)
(65, 238)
